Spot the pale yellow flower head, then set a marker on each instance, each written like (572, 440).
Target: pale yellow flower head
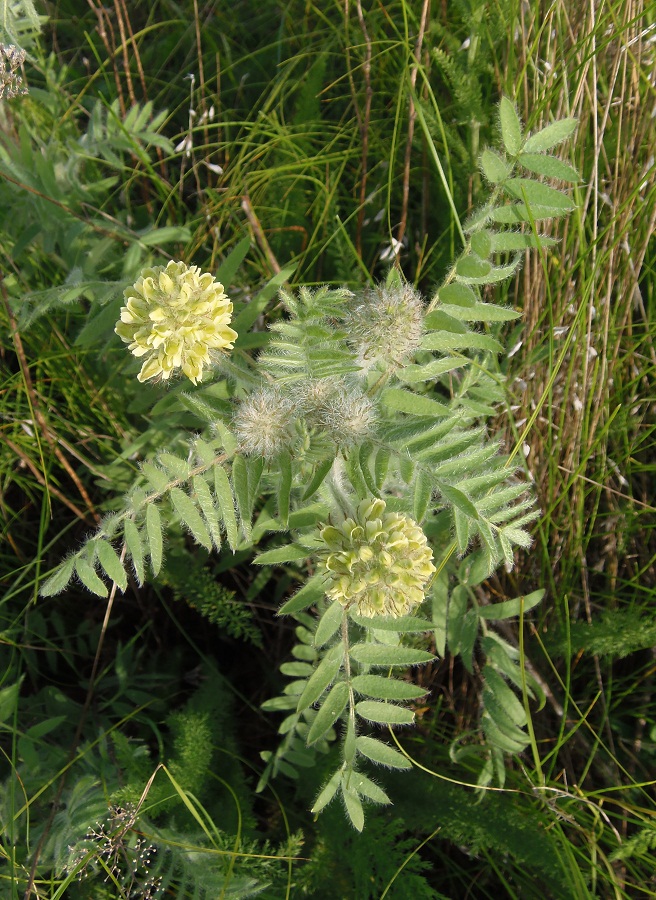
(377, 562)
(177, 318)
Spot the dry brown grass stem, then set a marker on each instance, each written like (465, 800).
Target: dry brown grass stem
(124, 50)
(363, 118)
(109, 42)
(591, 284)
(260, 236)
(412, 116)
(135, 49)
(41, 422)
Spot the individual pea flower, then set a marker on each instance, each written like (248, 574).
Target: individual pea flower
(377, 562)
(385, 324)
(264, 423)
(177, 318)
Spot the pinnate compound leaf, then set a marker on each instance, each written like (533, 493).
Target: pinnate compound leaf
(550, 136)
(400, 400)
(331, 709)
(422, 496)
(353, 808)
(154, 534)
(311, 592)
(401, 624)
(482, 312)
(188, 512)
(59, 579)
(537, 194)
(368, 788)
(381, 688)
(381, 753)
(504, 696)
(550, 166)
(284, 486)
(460, 500)
(496, 273)
(508, 609)
(208, 507)
(89, 578)
(349, 741)
(322, 677)
(495, 167)
(111, 563)
(413, 374)
(515, 213)
(226, 503)
(240, 482)
(134, 544)
(384, 713)
(441, 340)
(498, 737)
(481, 243)
(317, 479)
(288, 553)
(328, 623)
(327, 793)
(457, 294)
(511, 128)
(156, 478)
(473, 266)
(383, 655)
(513, 241)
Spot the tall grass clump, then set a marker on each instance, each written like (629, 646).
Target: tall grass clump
(328, 368)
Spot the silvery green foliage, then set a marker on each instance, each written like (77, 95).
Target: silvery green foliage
(355, 398)
(20, 23)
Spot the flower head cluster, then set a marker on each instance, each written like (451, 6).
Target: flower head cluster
(377, 562)
(264, 423)
(11, 83)
(386, 324)
(177, 318)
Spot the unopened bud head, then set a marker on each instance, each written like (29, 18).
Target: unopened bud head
(264, 423)
(385, 324)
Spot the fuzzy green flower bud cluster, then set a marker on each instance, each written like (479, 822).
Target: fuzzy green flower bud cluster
(386, 325)
(271, 419)
(177, 318)
(340, 408)
(264, 423)
(377, 562)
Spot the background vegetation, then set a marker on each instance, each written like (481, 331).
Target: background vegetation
(331, 136)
